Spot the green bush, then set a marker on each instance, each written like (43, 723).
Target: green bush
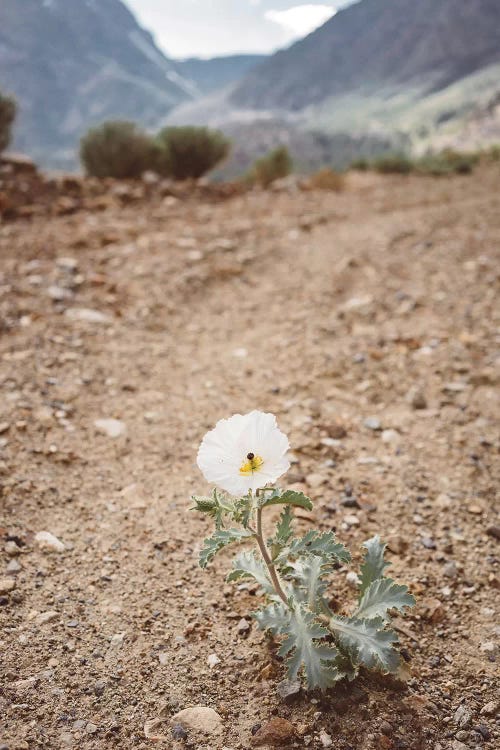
(393, 164)
(275, 165)
(361, 164)
(190, 152)
(119, 149)
(7, 117)
(447, 162)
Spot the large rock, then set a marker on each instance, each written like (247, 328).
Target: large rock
(199, 720)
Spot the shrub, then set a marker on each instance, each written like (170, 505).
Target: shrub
(327, 179)
(360, 165)
(393, 164)
(276, 164)
(447, 162)
(190, 152)
(117, 149)
(7, 117)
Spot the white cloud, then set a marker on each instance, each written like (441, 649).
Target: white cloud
(301, 19)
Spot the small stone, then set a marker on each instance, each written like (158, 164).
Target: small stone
(428, 542)
(14, 567)
(213, 660)
(325, 739)
(112, 428)
(86, 316)
(450, 570)
(489, 647)
(58, 293)
(463, 716)
(11, 549)
(315, 480)
(397, 544)
(417, 399)
(66, 739)
(457, 745)
(48, 541)
(489, 709)
(163, 658)
(99, 687)
(7, 585)
(243, 626)
(287, 689)
(373, 423)
(276, 732)
(352, 580)
(179, 733)
(350, 502)
(4, 427)
(351, 521)
(386, 728)
(494, 532)
(67, 264)
(91, 728)
(476, 510)
(391, 437)
(483, 730)
(200, 719)
(45, 617)
(116, 641)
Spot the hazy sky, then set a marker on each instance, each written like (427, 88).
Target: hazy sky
(208, 28)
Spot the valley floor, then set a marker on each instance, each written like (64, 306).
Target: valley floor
(328, 309)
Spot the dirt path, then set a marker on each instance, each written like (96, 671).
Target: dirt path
(326, 309)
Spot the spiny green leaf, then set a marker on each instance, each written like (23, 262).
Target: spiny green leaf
(380, 597)
(308, 573)
(289, 497)
(367, 643)
(275, 618)
(374, 564)
(324, 545)
(246, 565)
(306, 649)
(215, 506)
(219, 539)
(284, 528)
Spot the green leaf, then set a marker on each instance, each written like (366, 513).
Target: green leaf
(284, 528)
(305, 649)
(367, 643)
(246, 565)
(381, 596)
(374, 564)
(219, 539)
(275, 618)
(289, 497)
(308, 573)
(324, 545)
(215, 506)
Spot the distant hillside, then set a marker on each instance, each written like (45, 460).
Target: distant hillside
(217, 72)
(72, 63)
(375, 45)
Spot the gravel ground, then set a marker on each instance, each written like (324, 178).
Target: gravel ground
(367, 321)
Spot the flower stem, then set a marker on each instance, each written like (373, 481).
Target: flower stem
(267, 559)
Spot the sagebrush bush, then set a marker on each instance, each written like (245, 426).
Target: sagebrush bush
(393, 164)
(446, 162)
(327, 179)
(7, 117)
(275, 165)
(119, 149)
(190, 152)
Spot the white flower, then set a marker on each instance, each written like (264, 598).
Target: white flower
(244, 452)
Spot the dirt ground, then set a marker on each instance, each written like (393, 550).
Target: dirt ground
(367, 321)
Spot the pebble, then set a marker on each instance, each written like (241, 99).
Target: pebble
(450, 570)
(48, 541)
(391, 436)
(494, 532)
(179, 733)
(373, 423)
(243, 626)
(276, 732)
(14, 567)
(11, 549)
(213, 660)
(489, 647)
(417, 399)
(199, 719)
(483, 730)
(457, 745)
(45, 617)
(91, 728)
(287, 689)
(4, 427)
(489, 709)
(428, 542)
(463, 716)
(351, 521)
(352, 579)
(112, 428)
(325, 739)
(315, 480)
(86, 315)
(7, 585)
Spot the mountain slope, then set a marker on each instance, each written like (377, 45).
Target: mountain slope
(73, 63)
(217, 72)
(378, 44)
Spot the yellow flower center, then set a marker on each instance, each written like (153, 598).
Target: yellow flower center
(251, 465)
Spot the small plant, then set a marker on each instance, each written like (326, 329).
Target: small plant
(327, 179)
(244, 456)
(275, 165)
(7, 117)
(393, 164)
(190, 152)
(118, 149)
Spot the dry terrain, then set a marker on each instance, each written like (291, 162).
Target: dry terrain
(366, 320)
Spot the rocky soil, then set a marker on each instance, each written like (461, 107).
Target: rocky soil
(366, 321)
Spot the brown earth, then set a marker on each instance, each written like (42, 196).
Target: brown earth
(324, 308)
